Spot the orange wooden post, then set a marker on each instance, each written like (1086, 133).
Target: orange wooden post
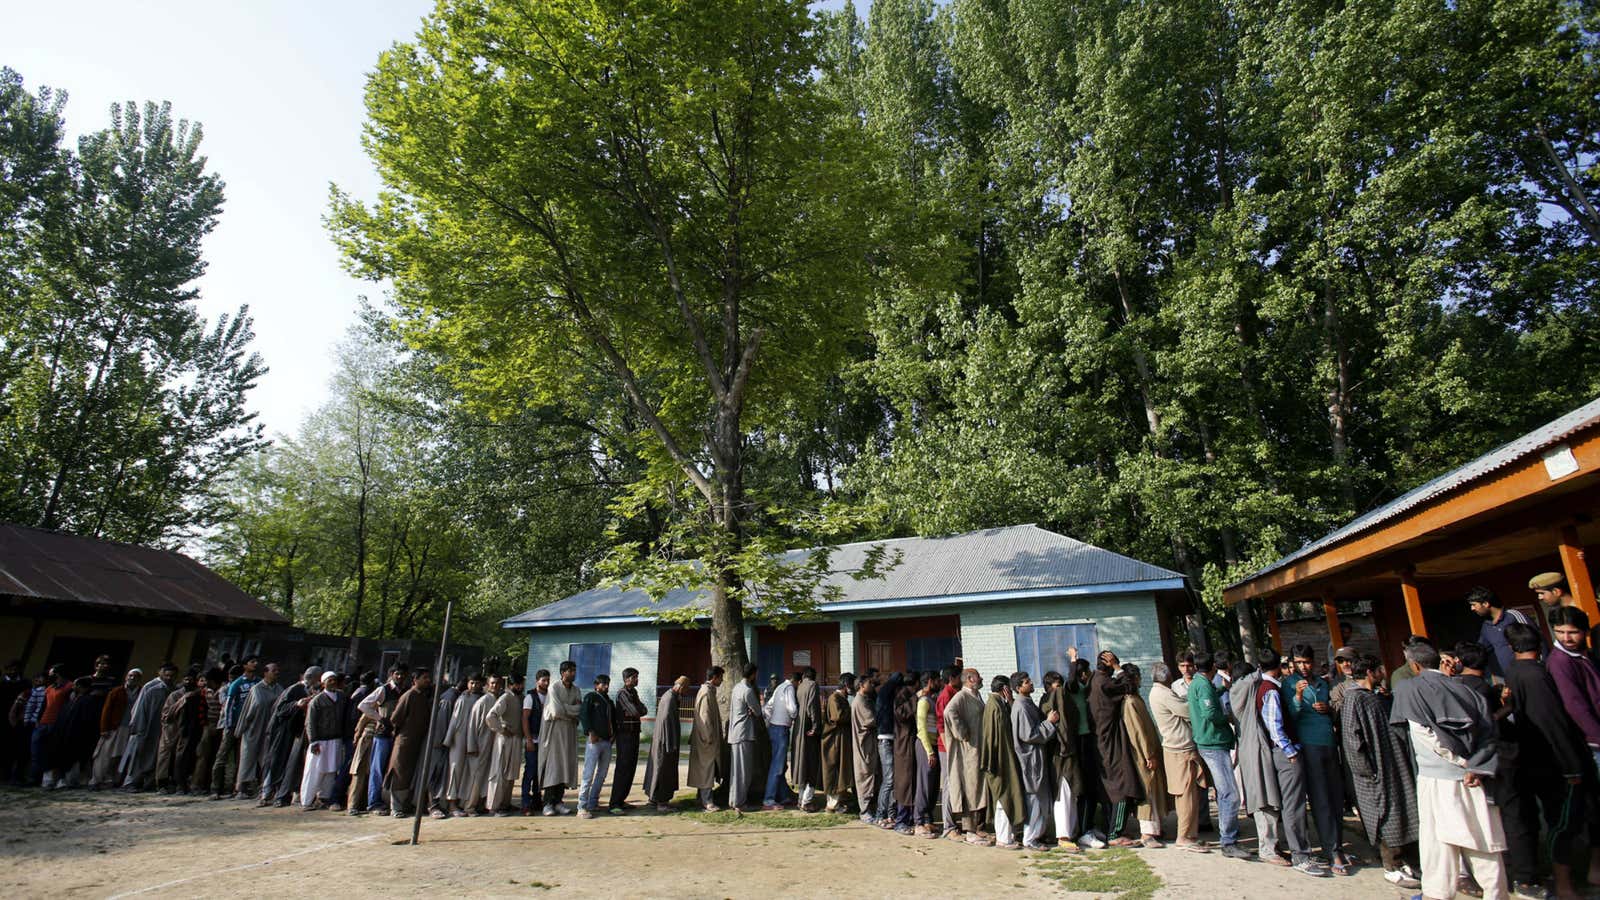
(1408, 590)
(1272, 627)
(1330, 609)
(1577, 572)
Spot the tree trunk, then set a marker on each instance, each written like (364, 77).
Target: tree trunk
(1338, 394)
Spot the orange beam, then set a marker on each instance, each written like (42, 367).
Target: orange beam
(1408, 590)
(1577, 571)
(1520, 481)
(1330, 609)
(1272, 626)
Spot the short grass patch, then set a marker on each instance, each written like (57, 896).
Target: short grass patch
(764, 819)
(1112, 873)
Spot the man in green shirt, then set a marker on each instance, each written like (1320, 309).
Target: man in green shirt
(1214, 739)
(1306, 703)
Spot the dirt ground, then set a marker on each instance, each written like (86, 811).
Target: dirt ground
(111, 844)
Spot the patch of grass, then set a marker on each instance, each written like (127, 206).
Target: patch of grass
(770, 819)
(1114, 873)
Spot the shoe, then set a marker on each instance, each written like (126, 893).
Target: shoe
(906, 830)
(1340, 867)
(585, 814)
(1094, 840)
(462, 814)
(1123, 842)
(617, 811)
(1035, 845)
(1234, 851)
(1068, 845)
(1276, 860)
(381, 812)
(563, 810)
(772, 807)
(712, 807)
(980, 840)
(337, 807)
(283, 802)
(503, 814)
(1397, 877)
(527, 810)
(1151, 842)
(866, 819)
(1192, 846)
(954, 834)
(920, 831)
(357, 812)
(215, 797)
(1466, 885)
(663, 807)
(438, 814)
(1311, 867)
(932, 833)
(1007, 845)
(241, 796)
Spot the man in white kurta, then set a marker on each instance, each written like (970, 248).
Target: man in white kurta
(1450, 738)
(505, 758)
(480, 744)
(458, 792)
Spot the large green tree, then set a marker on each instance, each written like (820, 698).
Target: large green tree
(655, 196)
(120, 406)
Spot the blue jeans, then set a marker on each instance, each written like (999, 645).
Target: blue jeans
(596, 760)
(777, 788)
(36, 764)
(1220, 765)
(530, 777)
(886, 807)
(380, 764)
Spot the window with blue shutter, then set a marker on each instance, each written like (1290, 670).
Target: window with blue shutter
(1043, 648)
(592, 660)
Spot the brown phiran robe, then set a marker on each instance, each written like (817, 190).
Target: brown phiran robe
(1119, 772)
(1062, 748)
(966, 791)
(410, 721)
(838, 772)
(805, 738)
(705, 739)
(1146, 743)
(864, 747)
(997, 758)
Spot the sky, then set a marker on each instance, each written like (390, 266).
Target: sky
(277, 86)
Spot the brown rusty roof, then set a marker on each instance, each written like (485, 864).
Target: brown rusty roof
(50, 566)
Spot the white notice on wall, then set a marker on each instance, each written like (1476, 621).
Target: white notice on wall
(1559, 462)
(801, 658)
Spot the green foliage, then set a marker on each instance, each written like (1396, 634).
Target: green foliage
(120, 407)
(656, 198)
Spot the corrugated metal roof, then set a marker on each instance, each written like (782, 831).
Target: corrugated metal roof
(1541, 438)
(48, 565)
(1020, 558)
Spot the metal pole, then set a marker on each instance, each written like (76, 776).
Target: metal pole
(433, 723)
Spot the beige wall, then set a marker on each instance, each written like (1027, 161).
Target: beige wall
(150, 642)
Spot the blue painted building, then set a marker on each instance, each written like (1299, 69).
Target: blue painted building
(999, 600)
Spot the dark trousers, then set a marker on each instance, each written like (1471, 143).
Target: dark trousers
(530, 776)
(38, 745)
(1562, 806)
(1093, 799)
(225, 770)
(927, 786)
(205, 755)
(553, 793)
(1325, 785)
(1292, 790)
(624, 762)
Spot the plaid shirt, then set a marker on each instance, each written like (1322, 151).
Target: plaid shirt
(213, 707)
(35, 707)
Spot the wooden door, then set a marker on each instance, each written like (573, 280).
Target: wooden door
(879, 656)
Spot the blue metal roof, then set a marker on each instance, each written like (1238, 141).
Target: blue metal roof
(1541, 438)
(1013, 563)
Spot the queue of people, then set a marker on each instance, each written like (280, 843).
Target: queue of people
(1460, 765)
